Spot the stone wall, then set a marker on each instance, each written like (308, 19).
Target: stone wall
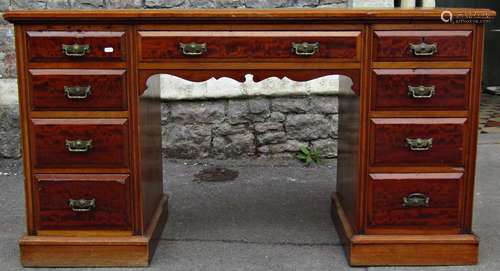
(232, 128)
(263, 129)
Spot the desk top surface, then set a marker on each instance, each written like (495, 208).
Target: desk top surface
(151, 15)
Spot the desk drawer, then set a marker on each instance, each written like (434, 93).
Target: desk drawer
(74, 46)
(417, 89)
(82, 202)
(263, 45)
(418, 142)
(422, 45)
(411, 200)
(77, 143)
(78, 90)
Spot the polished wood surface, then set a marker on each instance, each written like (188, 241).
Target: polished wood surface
(122, 171)
(390, 148)
(267, 46)
(106, 90)
(390, 89)
(46, 45)
(109, 142)
(110, 192)
(395, 45)
(386, 207)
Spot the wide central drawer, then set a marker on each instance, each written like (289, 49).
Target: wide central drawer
(418, 142)
(82, 202)
(77, 143)
(261, 45)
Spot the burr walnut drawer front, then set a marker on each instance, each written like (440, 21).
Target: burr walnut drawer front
(418, 142)
(263, 45)
(82, 202)
(80, 143)
(414, 45)
(75, 90)
(414, 200)
(417, 89)
(74, 46)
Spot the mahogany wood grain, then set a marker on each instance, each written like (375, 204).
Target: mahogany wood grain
(386, 208)
(158, 46)
(107, 89)
(111, 194)
(109, 143)
(395, 45)
(389, 145)
(390, 89)
(132, 138)
(242, 15)
(47, 45)
(394, 249)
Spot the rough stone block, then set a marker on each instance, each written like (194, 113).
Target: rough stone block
(10, 145)
(187, 141)
(307, 3)
(308, 126)
(202, 3)
(234, 146)
(324, 104)
(326, 147)
(268, 126)
(271, 138)
(258, 106)
(88, 4)
(28, 4)
(124, 3)
(333, 3)
(277, 117)
(230, 3)
(291, 105)
(225, 129)
(267, 3)
(59, 4)
(7, 52)
(237, 111)
(288, 146)
(163, 3)
(196, 112)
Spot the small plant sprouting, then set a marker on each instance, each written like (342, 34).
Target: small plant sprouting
(308, 156)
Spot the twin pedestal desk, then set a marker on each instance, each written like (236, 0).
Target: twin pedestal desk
(92, 137)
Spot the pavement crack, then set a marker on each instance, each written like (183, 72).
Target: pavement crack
(228, 241)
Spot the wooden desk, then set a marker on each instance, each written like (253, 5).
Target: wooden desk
(91, 126)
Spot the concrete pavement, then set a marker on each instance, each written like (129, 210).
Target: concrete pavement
(273, 216)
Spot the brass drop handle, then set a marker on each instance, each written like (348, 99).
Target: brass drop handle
(305, 48)
(78, 145)
(421, 92)
(419, 144)
(416, 200)
(82, 205)
(423, 49)
(193, 48)
(77, 92)
(76, 50)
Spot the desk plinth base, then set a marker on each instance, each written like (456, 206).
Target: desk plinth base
(387, 250)
(131, 251)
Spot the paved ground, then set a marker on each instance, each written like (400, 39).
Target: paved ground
(273, 216)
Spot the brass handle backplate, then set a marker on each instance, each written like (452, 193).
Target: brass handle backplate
(193, 48)
(76, 50)
(419, 144)
(77, 93)
(423, 49)
(416, 200)
(78, 145)
(421, 92)
(305, 48)
(82, 205)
